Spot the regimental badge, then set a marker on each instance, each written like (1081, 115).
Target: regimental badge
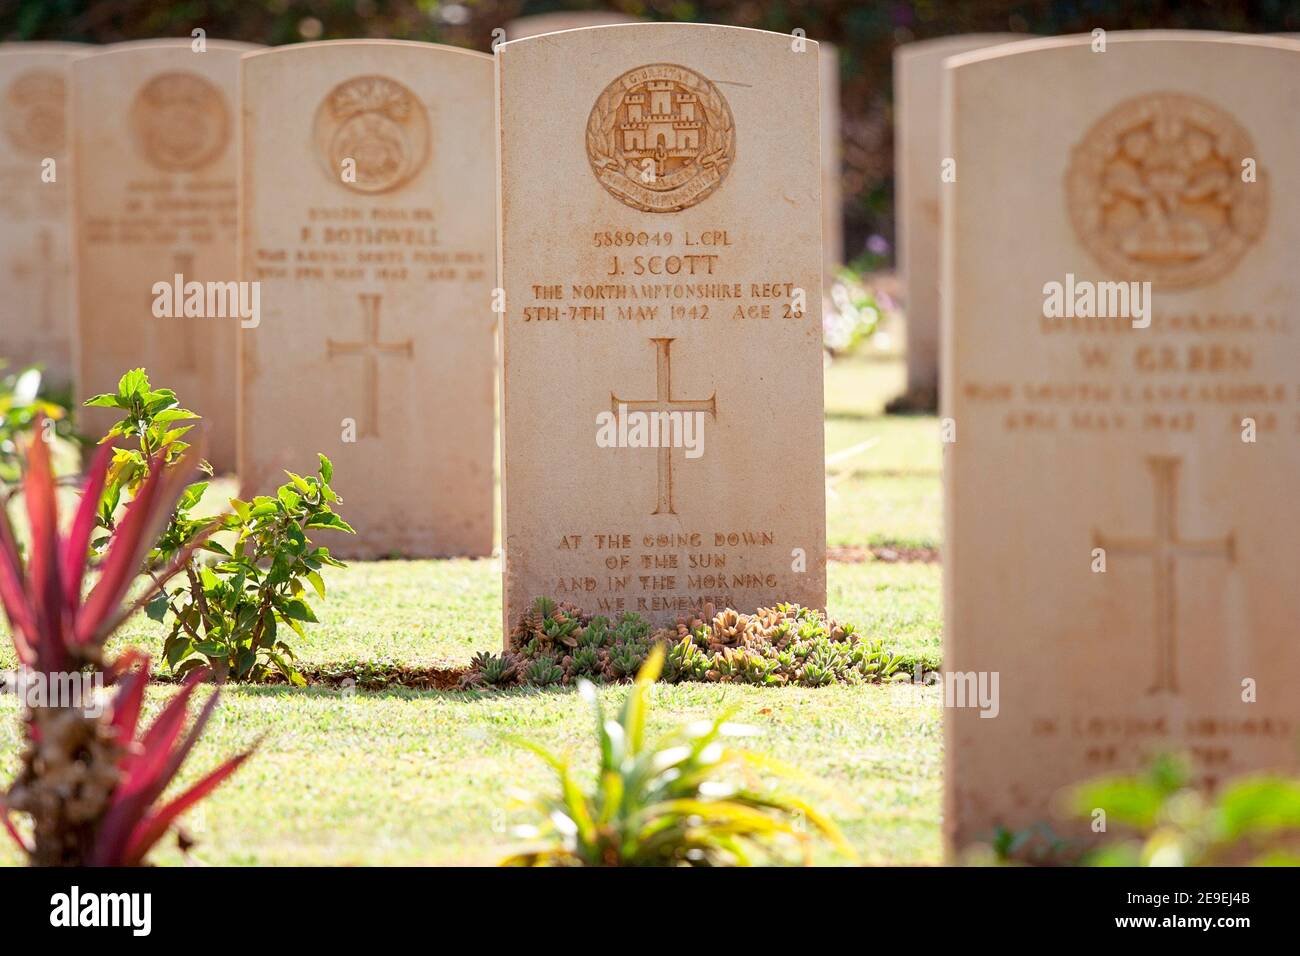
(1156, 193)
(661, 138)
(35, 113)
(181, 121)
(380, 126)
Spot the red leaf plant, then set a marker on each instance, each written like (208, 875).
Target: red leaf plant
(87, 781)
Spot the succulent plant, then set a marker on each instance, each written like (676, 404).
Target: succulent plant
(763, 671)
(626, 659)
(497, 670)
(586, 662)
(560, 630)
(772, 646)
(685, 660)
(810, 629)
(543, 671)
(595, 634)
(727, 664)
(730, 627)
(631, 627)
(814, 674)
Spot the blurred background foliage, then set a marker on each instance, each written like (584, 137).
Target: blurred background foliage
(865, 33)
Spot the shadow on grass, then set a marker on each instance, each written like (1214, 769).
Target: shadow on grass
(853, 415)
(395, 692)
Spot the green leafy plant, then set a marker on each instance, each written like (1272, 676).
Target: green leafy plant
(1172, 823)
(233, 615)
(561, 631)
(687, 799)
(630, 627)
(21, 406)
(756, 669)
(153, 425)
(871, 659)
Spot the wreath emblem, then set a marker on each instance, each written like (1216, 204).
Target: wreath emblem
(1155, 191)
(661, 138)
(34, 113)
(377, 124)
(180, 121)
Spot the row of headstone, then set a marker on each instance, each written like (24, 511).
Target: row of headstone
(655, 214)
(181, 210)
(1117, 540)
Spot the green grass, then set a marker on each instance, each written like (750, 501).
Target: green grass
(889, 492)
(442, 612)
(424, 777)
(406, 777)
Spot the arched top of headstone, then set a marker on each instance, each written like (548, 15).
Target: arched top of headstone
(344, 47)
(608, 33)
(941, 47)
(1118, 38)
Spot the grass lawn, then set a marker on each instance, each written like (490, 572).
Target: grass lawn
(425, 777)
(889, 492)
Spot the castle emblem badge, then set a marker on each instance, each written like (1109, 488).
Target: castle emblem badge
(181, 121)
(380, 126)
(1156, 191)
(661, 138)
(34, 113)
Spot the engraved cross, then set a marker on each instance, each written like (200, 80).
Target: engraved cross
(370, 350)
(664, 402)
(1164, 549)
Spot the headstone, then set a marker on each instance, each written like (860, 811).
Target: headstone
(155, 198)
(832, 194)
(918, 75)
(1120, 540)
(369, 220)
(35, 225)
(662, 405)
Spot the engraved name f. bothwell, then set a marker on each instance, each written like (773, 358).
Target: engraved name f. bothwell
(1164, 548)
(664, 402)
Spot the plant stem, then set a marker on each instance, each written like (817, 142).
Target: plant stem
(180, 618)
